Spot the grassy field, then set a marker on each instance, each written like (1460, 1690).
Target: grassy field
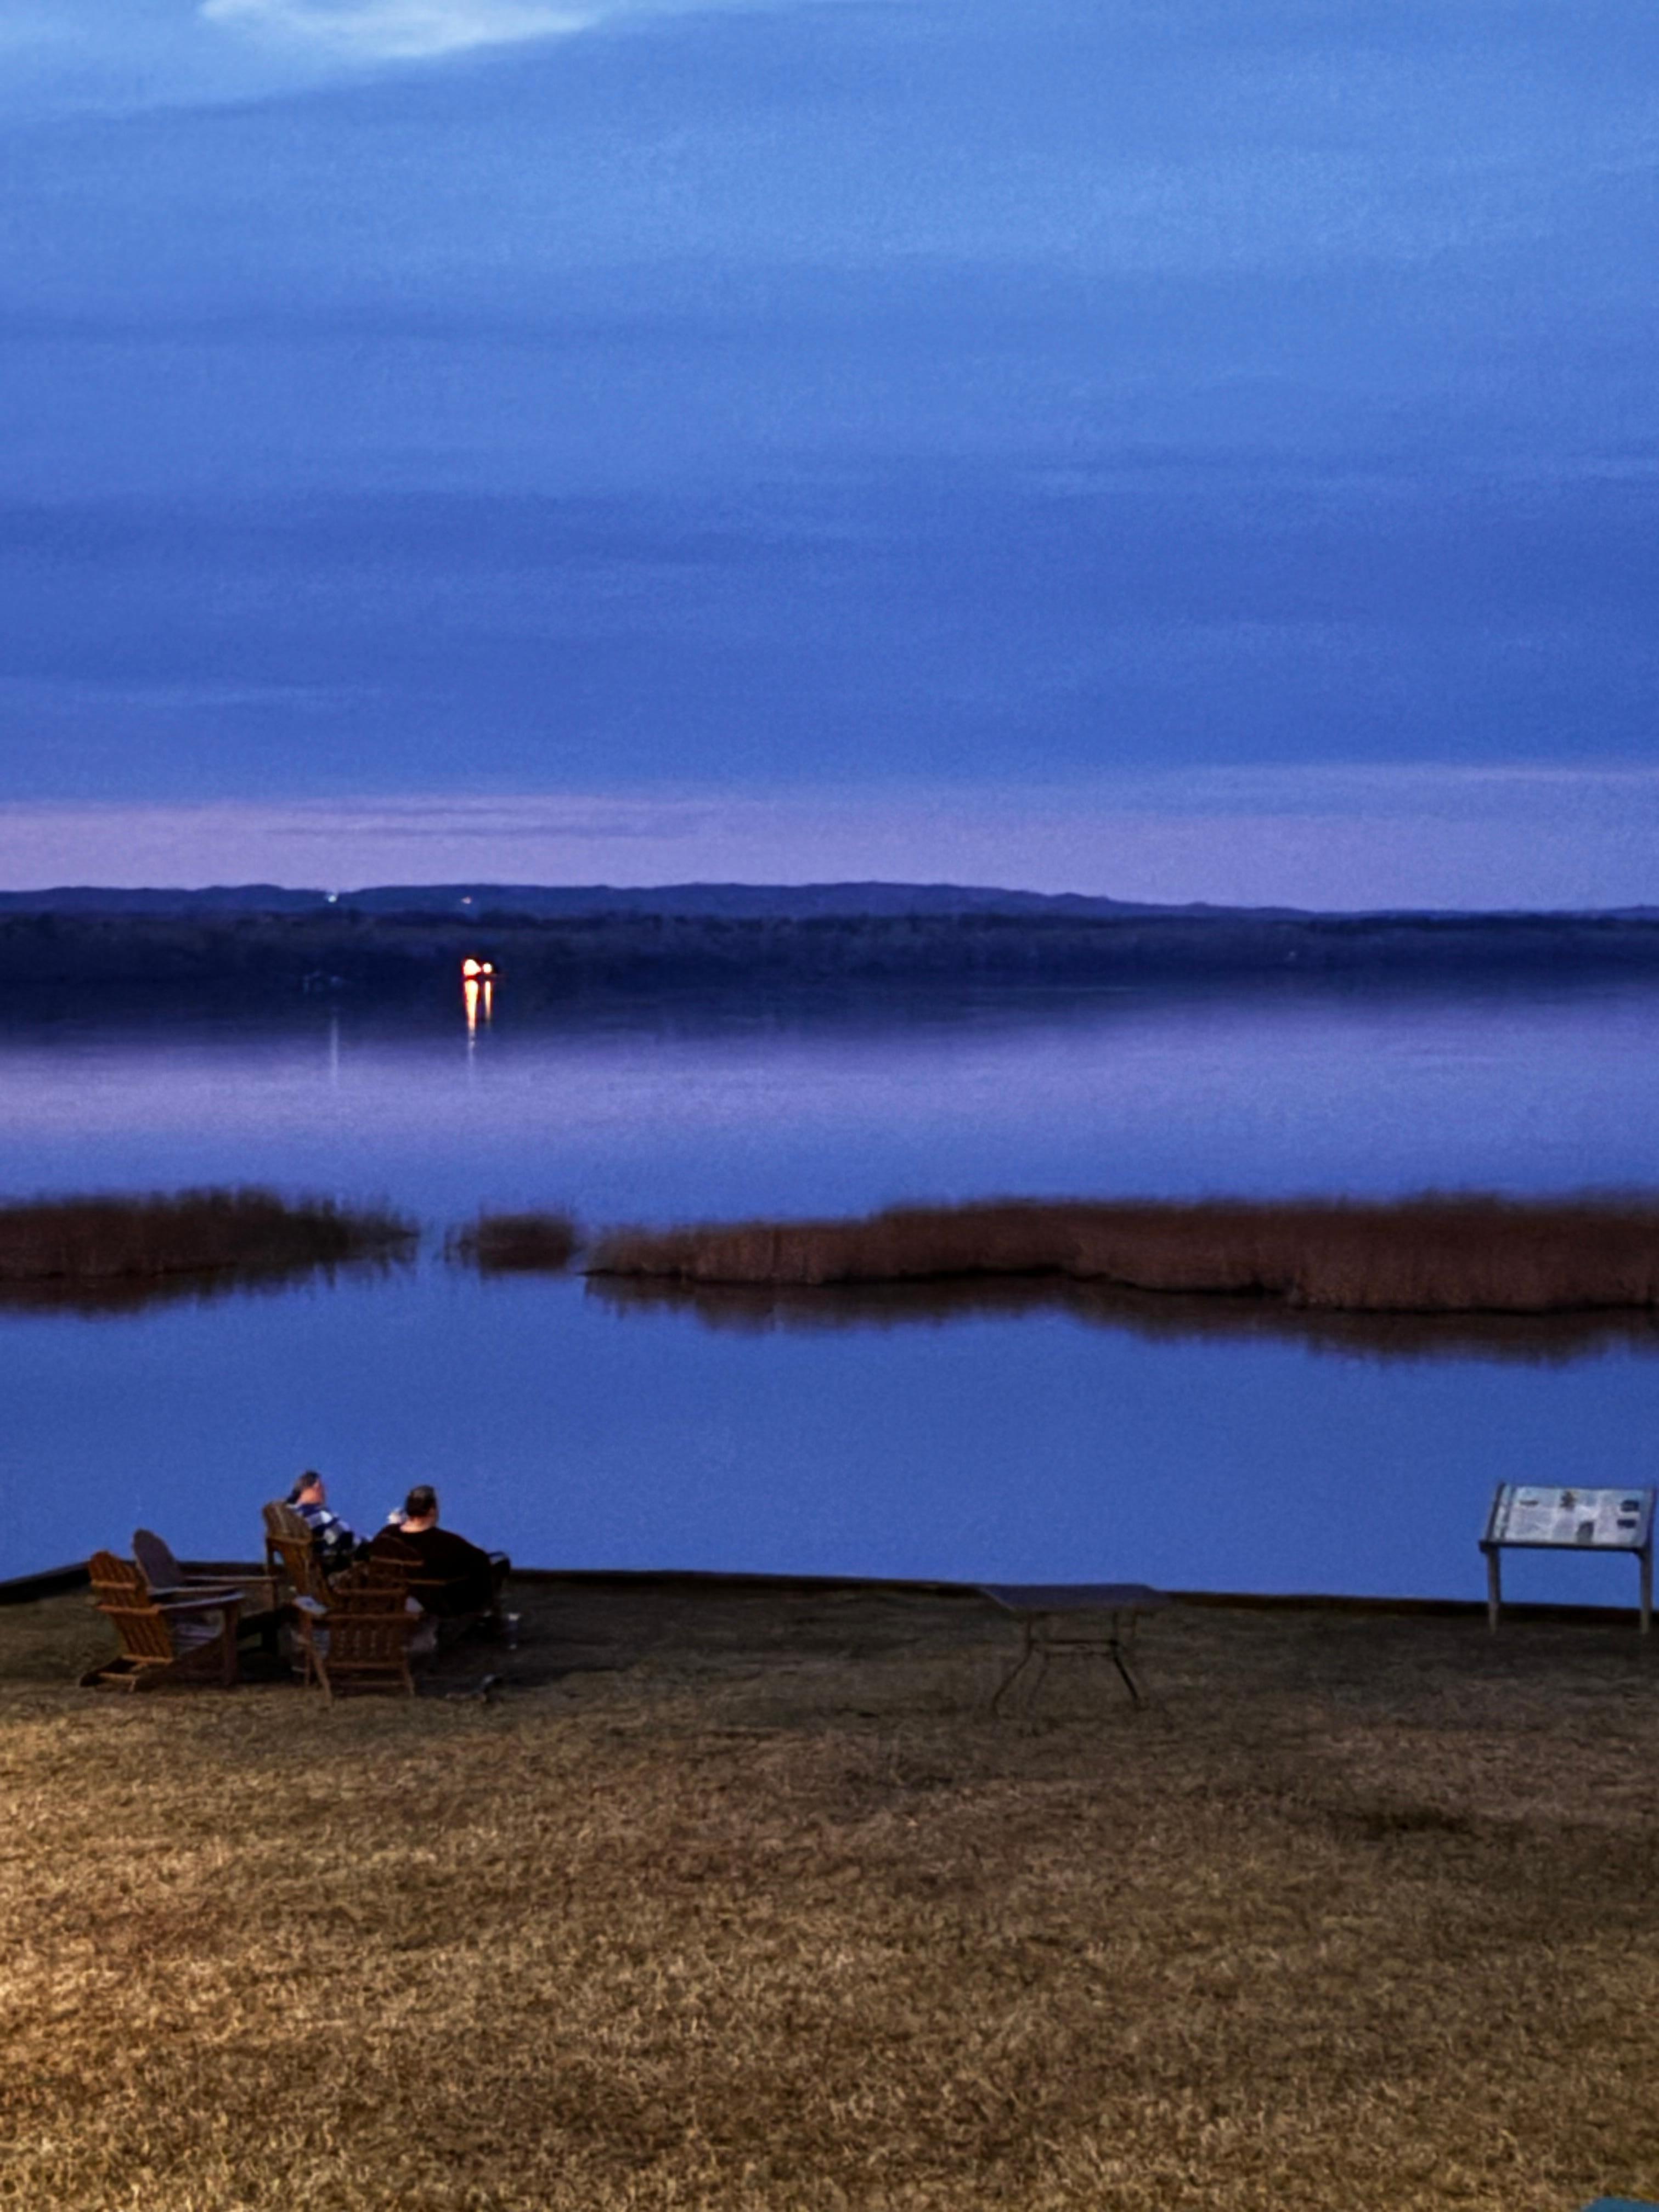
(1433, 1255)
(739, 1899)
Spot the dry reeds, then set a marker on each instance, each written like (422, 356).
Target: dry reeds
(114, 1243)
(1429, 1255)
(508, 1243)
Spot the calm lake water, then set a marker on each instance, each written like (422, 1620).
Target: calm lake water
(1042, 1445)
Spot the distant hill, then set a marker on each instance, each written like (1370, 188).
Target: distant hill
(738, 902)
(91, 898)
(743, 902)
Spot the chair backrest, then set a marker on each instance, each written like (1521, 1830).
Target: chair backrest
(291, 1552)
(369, 1644)
(399, 1558)
(154, 1555)
(371, 1586)
(368, 1625)
(395, 1556)
(115, 1578)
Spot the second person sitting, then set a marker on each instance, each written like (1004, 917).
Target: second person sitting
(464, 1579)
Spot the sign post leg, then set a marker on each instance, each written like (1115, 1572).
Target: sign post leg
(1494, 1588)
(1647, 1586)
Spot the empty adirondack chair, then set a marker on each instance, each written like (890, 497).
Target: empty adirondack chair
(293, 1564)
(168, 1578)
(364, 1635)
(183, 1640)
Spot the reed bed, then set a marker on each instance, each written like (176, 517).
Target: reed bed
(1430, 1255)
(115, 1243)
(741, 1903)
(509, 1243)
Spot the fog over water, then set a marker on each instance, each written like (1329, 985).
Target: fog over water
(960, 1440)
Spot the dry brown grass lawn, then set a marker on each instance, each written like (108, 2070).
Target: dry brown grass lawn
(740, 1900)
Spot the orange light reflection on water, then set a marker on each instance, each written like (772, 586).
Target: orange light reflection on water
(477, 996)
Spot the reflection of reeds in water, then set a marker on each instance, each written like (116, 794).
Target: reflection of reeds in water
(511, 1243)
(1419, 1255)
(1540, 1340)
(113, 1254)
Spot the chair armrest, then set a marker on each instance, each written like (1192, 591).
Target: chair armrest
(230, 1601)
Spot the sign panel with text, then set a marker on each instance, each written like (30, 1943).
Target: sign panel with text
(1570, 1519)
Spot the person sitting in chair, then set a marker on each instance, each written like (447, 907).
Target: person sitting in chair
(337, 1545)
(467, 1579)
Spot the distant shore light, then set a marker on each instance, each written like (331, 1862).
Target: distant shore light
(472, 968)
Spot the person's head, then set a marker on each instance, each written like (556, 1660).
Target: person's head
(421, 1506)
(309, 1490)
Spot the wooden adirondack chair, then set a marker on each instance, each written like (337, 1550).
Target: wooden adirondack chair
(187, 1640)
(363, 1635)
(431, 1592)
(168, 1578)
(292, 1563)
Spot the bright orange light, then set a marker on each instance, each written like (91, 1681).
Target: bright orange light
(472, 968)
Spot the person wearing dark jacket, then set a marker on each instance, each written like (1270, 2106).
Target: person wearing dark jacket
(468, 1580)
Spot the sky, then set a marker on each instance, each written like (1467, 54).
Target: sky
(1167, 449)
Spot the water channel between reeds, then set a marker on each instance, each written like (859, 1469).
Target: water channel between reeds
(1016, 1432)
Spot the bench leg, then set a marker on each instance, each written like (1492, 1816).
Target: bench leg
(1121, 1663)
(1027, 1651)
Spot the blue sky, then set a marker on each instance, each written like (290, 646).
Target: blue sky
(1227, 430)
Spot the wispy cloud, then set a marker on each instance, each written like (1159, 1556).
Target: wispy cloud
(401, 30)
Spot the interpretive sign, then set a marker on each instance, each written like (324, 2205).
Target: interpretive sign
(1532, 1516)
(1614, 1520)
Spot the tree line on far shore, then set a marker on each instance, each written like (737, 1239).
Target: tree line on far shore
(278, 958)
